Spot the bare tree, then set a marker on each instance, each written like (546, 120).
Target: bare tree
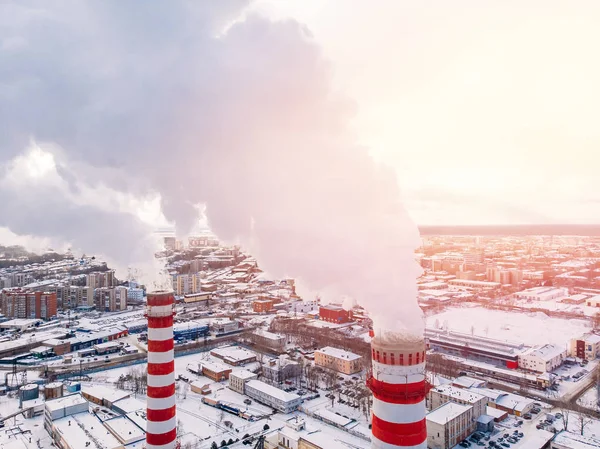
(565, 411)
(583, 421)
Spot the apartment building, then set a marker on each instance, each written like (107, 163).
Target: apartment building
(110, 299)
(27, 304)
(339, 360)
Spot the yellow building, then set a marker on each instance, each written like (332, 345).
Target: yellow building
(339, 360)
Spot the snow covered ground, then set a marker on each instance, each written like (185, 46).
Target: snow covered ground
(589, 399)
(530, 328)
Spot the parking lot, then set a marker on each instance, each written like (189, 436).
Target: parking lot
(513, 432)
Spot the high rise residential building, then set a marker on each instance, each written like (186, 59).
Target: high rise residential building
(186, 284)
(73, 296)
(101, 279)
(28, 304)
(111, 299)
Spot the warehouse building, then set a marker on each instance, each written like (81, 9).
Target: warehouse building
(190, 330)
(543, 359)
(215, 371)
(234, 355)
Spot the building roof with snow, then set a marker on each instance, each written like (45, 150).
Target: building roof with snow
(338, 353)
(546, 352)
(243, 374)
(447, 412)
(65, 402)
(460, 394)
(272, 391)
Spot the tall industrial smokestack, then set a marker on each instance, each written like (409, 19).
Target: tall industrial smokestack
(399, 388)
(161, 432)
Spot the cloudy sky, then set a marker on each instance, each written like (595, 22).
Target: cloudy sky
(488, 111)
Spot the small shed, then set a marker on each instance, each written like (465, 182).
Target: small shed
(485, 423)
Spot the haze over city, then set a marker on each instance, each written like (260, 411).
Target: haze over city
(291, 224)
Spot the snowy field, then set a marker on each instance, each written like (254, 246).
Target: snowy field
(589, 399)
(529, 328)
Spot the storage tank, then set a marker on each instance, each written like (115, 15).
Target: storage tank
(53, 390)
(73, 387)
(28, 392)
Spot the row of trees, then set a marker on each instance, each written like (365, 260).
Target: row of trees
(136, 380)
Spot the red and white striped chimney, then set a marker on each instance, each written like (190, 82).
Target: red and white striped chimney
(399, 389)
(161, 432)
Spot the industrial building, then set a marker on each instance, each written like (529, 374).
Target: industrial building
(542, 293)
(63, 406)
(190, 330)
(215, 371)
(449, 424)
(272, 396)
(234, 355)
(442, 394)
(513, 404)
(339, 360)
(475, 347)
(543, 359)
(224, 326)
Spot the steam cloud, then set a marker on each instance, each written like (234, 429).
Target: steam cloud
(127, 100)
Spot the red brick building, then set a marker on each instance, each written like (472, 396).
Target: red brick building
(334, 314)
(262, 305)
(27, 304)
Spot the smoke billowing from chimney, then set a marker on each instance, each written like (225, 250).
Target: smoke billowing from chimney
(132, 101)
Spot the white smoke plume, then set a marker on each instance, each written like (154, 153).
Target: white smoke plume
(197, 103)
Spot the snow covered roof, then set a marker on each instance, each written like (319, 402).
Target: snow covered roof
(130, 404)
(546, 352)
(467, 382)
(447, 412)
(269, 335)
(65, 401)
(272, 391)
(243, 374)
(338, 353)
(104, 393)
(459, 393)
(125, 430)
(215, 367)
(233, 353)
(332, 417)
